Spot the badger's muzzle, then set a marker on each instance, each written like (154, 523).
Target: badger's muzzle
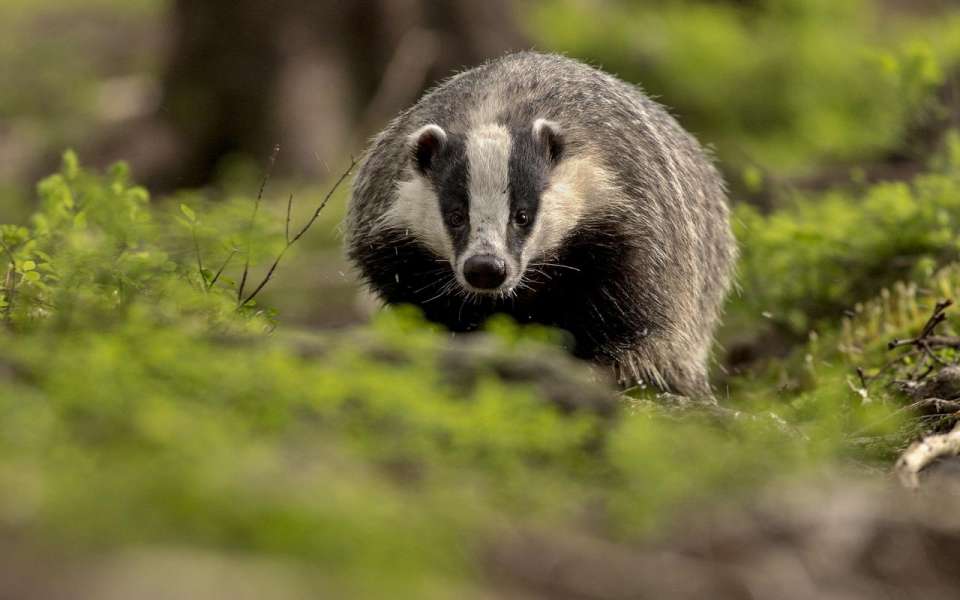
(485, 271)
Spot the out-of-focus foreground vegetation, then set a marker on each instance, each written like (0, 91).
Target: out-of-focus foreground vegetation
(147, 415)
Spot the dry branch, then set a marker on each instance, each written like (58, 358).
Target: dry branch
(926, 336)
(923, 453)
(223, 266)
(253, 218)
(289, 241)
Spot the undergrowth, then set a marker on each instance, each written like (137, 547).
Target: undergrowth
(142, 405)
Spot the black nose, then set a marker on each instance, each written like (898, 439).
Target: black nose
(485, 271)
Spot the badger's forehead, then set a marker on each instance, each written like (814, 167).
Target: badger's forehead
(488, 153)
(488, 162)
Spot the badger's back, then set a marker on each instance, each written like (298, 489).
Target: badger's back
(641, 276)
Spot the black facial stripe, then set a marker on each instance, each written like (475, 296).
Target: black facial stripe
(450, 176)
(528, 170)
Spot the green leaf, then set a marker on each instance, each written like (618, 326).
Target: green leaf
(31, 277)
(71, 165)
(28, 265)
(188, 212)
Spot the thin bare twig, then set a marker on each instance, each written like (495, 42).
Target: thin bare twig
(920, 361)
(286, 231)
(196, 248)
(216, 277)
(291, 241)
(926, 333)
(253, 217)
(941, 407)
(863, 378)
(933, 341)
(925, 341)
(336, 185)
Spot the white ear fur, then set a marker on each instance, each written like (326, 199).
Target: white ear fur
(549, 134)
(424, 144)
(539, 124)
(430, 129)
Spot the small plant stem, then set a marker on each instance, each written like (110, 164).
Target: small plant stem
(291, 241)
(226, 262)
(253, 218)
(196, 248)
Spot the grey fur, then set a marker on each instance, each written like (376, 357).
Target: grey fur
(680, 251)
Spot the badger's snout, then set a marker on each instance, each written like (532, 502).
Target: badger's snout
(485, 271)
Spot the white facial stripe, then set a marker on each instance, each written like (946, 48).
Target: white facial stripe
(488, 156)
(417, 209)
(575, 185)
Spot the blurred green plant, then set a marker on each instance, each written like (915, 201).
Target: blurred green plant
(783, 86)
(60, 261)
(138, 406)
(804, 265)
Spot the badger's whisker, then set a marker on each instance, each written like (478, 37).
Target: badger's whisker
(555, 265)
(539, 272)
(439, 280)
(614, 302)
(429, 285)
(522, 285)
(444, 291)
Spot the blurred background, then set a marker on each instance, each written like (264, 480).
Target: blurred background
(246, 462)
(790, 94)
(180, 89)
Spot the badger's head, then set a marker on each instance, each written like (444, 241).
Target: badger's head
(491, 201)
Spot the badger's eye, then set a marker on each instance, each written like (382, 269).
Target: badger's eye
(521, 218)
(456, 219)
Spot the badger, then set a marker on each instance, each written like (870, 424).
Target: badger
(540, 187)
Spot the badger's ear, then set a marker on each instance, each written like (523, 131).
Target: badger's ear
(548, 135)
(424, 144)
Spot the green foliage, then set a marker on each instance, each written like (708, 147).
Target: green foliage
(804, 265)
(92, 253)
(166, 417)
(785, 85)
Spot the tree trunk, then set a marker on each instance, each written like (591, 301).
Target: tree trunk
(316, 77)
